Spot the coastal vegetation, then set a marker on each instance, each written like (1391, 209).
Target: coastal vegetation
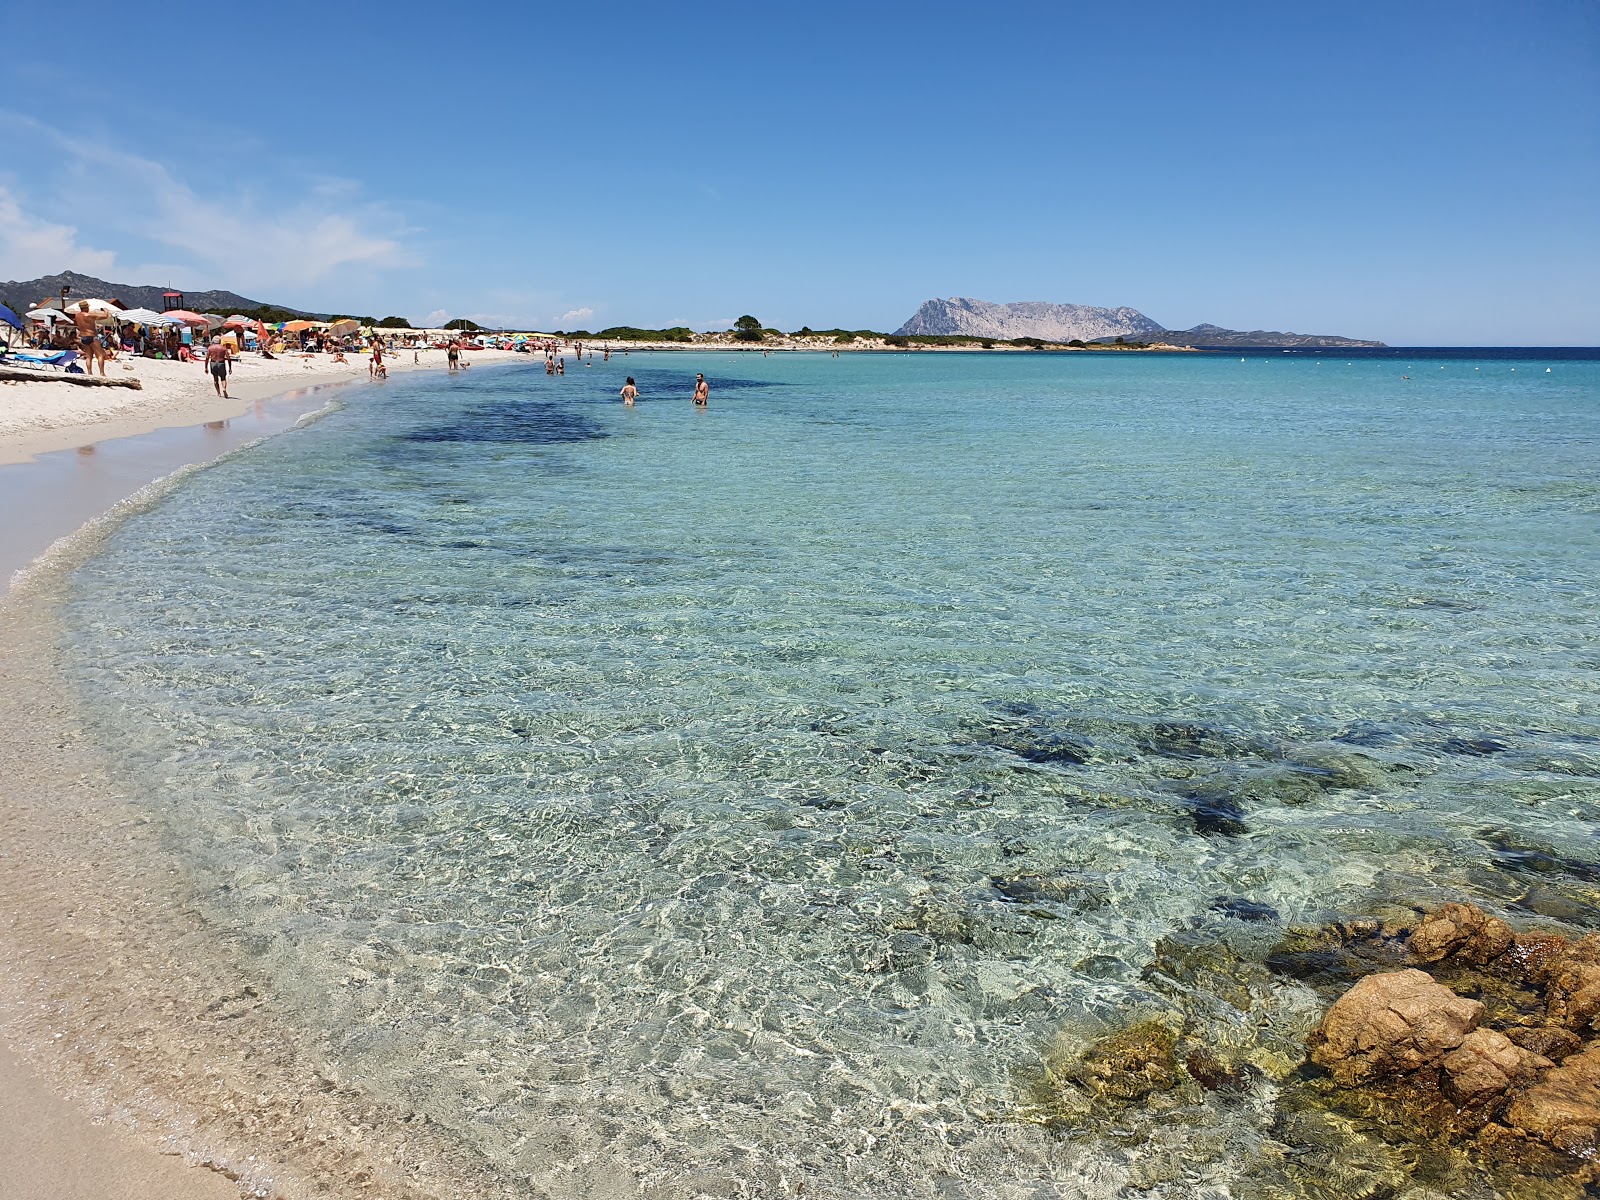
(633, 333)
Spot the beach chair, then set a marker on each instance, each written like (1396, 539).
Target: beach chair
(60, 360)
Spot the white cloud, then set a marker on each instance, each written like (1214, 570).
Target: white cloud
(574, 315)
(31, 246)
(717, 323)
(436, 318)
(237, 239)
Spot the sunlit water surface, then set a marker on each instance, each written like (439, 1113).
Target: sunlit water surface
(714, 802)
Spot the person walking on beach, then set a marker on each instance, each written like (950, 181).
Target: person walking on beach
(88, 341)
(629, 392)
(702, 390)
(217, 363)
(453, 353)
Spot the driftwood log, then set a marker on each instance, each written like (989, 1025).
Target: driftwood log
(17, 373)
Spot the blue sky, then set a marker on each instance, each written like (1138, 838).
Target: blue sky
(1420, 172)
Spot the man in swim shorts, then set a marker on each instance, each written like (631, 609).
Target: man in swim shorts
(702, 390)
(217, 363)
(453, 353)
(88, 342)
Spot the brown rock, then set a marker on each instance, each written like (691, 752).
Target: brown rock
(1132, 1063)
(1390, 1024)
(1485, 1065)
(1531, 953)
(1461, 931)
(1547, 1041)
(1563, 1107)
(1572, 985)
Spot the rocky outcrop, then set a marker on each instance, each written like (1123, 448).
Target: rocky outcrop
(1515, 1080)
(1463, 931)
(1390, 1025)
(962, 315)
(1563, 1107)
(1036, 319)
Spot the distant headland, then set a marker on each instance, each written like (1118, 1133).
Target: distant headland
(964, 316)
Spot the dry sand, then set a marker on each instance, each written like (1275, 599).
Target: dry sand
(37, 417)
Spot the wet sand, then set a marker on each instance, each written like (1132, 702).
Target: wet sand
(57, 492)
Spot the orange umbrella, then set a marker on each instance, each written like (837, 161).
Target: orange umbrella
(296, 326)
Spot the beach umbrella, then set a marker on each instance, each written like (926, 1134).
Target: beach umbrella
(297, 326)
(145, 316)
(10, 318)
(187, 317)
(344, 326)
(95, 306)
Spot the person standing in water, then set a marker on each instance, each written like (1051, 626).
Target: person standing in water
(702, 390)
(629, 392)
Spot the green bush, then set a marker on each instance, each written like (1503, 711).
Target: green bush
(632, 333)
(895, 339)
(394, 323)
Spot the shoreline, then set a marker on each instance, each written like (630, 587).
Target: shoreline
(117, 1073)
(129, 1028)
(64, 475)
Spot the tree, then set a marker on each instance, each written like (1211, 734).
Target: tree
(394, 323)
(463, 324)
(747, 329)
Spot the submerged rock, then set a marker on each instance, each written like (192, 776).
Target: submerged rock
(1563, 1108)
(1391, 1024)
(1214, 814)
(1463, 931)
(1243, 909)
(1572, 985)
(1485, 1064)
(1132, 1063)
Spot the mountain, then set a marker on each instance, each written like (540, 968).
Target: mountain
(28, 292)
(1067, 322)
(1052, 322)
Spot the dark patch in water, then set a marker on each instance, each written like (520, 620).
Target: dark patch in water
(515, 420)
(1371, 735)
(1525, 858)
(1473, 747)
(1186, 740)
(1215, 815)
(1047, 749)
(1442, 604)
(1244, 910)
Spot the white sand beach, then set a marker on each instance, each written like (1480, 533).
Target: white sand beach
(51, 414)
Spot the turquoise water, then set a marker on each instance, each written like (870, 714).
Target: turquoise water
(703, 803)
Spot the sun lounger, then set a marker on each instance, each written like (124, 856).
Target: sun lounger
(60, 360)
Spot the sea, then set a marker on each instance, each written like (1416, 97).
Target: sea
(781, 798)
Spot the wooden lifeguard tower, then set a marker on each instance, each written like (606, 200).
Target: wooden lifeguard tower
(171, 300)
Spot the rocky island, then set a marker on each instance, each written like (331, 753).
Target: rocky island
(964, 316)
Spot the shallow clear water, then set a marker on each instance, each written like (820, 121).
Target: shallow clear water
(710, 802)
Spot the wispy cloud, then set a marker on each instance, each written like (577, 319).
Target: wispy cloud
(309, 230)
(573, 315)
(31, 246)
